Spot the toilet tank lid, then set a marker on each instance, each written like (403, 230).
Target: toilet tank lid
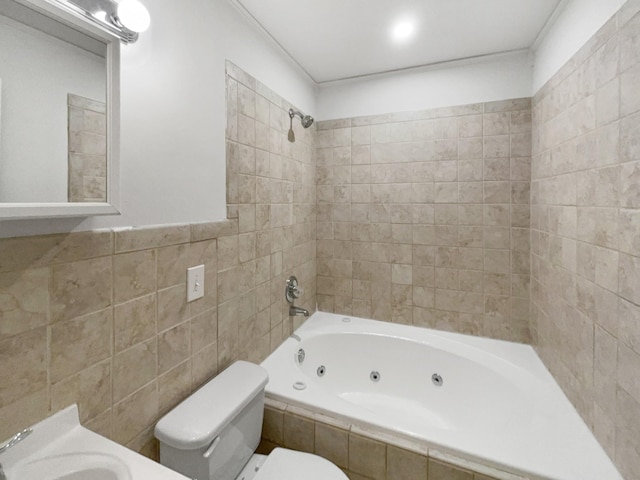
(196, 421)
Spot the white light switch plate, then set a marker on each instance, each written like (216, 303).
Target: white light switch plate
(195, 283)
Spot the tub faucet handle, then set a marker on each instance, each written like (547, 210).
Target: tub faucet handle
(293, 290)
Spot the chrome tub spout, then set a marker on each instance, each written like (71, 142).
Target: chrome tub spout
(298, 311)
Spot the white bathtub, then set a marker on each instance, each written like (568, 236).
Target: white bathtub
(497, 404)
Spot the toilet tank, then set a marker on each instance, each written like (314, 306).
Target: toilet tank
(214, 432)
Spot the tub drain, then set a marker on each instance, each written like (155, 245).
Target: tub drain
(437, 380)
(321, 370)
(299, 385)
(375, 376)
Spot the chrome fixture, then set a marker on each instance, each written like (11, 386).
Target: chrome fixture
(298, 311)
(375, 376)
(291, 136)
(437, 380)
(292, 292)
(321, 370)
(17, 438)
(305, 120)
(124, 19)
(301, 355)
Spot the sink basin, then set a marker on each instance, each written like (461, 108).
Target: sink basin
(59, 448)
(74, 466)
(91, 474)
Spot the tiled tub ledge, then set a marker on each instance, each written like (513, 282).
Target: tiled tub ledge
(364, 453)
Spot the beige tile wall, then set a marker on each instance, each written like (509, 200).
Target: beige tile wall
(423, 218)
(270, 190)
(100, 318)
(362, 453)
(586, 233)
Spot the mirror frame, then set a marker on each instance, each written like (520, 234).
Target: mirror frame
(62, 14)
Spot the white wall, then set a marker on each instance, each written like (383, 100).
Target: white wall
(37, 72)
(576, 24)
(494, 78)
(173, 114)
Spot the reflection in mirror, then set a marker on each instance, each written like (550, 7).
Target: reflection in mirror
(53, 143)
(87, 150)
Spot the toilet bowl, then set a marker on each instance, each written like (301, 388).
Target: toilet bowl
(286, 464)
(213, 434)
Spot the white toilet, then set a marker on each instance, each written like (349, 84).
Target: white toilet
(213, 434)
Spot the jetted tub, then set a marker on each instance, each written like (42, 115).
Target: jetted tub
(487, 401)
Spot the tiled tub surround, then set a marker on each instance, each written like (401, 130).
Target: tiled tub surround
(271, 191)
(100, 318)
(362, 453)
(423, 218)
(518, 419)
(586, 233)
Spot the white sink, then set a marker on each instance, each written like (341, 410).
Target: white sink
(61, 449)
(74, 466)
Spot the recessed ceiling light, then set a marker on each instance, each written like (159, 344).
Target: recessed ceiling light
(403, 30)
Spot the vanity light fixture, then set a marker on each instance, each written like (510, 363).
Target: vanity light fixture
(124, 18)
(134, 16)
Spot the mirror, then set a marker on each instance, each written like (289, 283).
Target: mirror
(59, 77)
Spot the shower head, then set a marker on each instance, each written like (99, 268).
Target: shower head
(305, 120)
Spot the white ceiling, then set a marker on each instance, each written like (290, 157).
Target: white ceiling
(337, 39)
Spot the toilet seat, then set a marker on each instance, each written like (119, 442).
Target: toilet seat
(284, 464)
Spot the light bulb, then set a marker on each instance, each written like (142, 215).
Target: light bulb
(403, 30)
(134, 15)
(101, 15)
